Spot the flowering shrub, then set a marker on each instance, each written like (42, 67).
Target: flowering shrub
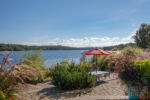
(132, 69)
(9, 74)
(34, 62)
(131, 66)
(12, 73)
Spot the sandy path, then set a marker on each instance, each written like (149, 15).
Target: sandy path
(108, 89)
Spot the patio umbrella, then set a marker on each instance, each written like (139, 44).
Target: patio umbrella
(96, 52)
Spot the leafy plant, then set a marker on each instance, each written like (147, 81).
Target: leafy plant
(72, 77)
(143, 67)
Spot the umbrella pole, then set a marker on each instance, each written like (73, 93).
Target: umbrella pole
(96, 63)
(96, 67)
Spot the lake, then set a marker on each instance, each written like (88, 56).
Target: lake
(56, 56)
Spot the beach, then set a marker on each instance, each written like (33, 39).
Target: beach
(109, 88)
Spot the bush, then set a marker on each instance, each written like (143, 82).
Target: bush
(123, 63)
(72, 77)
(12, 72)
(132, 69)
(10, 75)
(143, 67)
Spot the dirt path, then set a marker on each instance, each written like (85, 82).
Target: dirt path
(108, 89)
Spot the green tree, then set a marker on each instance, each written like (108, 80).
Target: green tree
(142, 37)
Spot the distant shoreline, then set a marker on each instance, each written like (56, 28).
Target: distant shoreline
(19, 47)
(43, 50)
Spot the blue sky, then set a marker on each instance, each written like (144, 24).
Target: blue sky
(76, 23)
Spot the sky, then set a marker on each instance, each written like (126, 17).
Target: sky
(76, 23)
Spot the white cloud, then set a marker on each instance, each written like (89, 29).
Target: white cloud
(86, 41)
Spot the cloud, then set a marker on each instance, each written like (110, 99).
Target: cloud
(86, 41)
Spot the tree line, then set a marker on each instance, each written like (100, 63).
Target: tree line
(17, 47)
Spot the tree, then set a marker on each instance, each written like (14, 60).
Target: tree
(142, 36)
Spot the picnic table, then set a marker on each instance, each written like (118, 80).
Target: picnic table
(100, 74)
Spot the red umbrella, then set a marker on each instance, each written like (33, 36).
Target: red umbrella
(96, 52)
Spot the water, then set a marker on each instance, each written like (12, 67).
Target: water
(55, 56)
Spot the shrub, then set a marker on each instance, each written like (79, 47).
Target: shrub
(72, 77)
(127, 65)
(10, 74)
(109, 63)
(143, 67)
(8, 79)
(123, 63)
(132, 69)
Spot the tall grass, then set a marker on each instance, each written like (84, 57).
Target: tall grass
(11, 74)
(36, 63)
(30, 69)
